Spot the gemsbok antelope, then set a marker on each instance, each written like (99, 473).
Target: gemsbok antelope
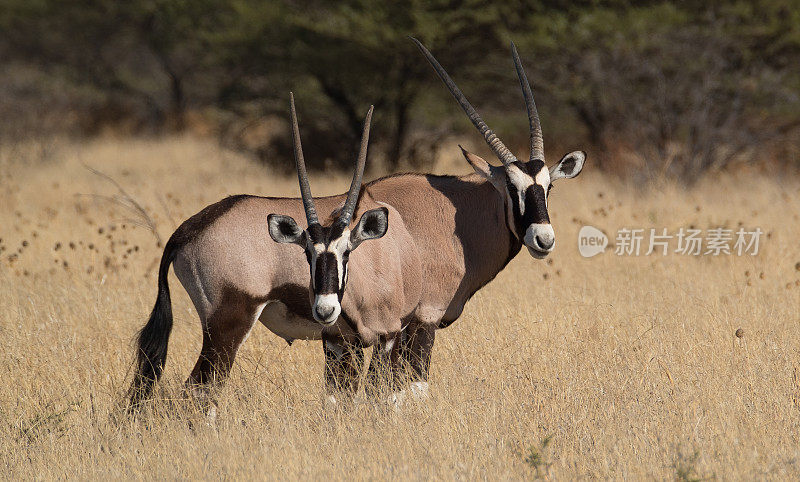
(235, 274)
(468, 228)
(448, 237)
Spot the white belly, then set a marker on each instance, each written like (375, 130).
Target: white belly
(280, 321)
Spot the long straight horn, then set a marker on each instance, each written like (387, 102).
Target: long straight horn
(302, 175)
(494, 142)
(537, 143)
(355, 186)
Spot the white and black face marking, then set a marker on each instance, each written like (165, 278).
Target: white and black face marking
(527, 187)
(328, 252)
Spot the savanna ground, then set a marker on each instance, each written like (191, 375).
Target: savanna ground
(613, 367)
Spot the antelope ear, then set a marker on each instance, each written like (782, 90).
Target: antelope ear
(372, 225)
(284, 229)
(569, 166)
(493, 174)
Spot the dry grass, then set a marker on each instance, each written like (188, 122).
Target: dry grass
(604, 367)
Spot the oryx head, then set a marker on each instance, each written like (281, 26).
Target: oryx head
(525, 185)
(328, 247)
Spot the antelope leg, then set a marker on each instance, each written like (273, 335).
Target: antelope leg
(343, 363)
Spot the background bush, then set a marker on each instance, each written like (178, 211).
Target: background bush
(657, 89)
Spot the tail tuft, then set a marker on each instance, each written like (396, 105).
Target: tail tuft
(153, 339)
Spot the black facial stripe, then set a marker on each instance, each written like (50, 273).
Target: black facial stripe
(326, 277)
(316, 232)
(336, 231)
(512, 190)
(535, 197)
(325, 270)
(515, 208)
(535, 207)
(345, 259)
(533, 167)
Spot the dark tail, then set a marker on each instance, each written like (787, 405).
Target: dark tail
(151, 345)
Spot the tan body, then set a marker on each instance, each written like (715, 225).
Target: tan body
(233, 262)
(447, 238)
(460, 234)
(438, 253)
(463, 241)
(236, 274)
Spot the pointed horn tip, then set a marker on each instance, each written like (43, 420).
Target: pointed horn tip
(419, 44)
(515, 55)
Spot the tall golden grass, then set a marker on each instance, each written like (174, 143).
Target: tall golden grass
(612, 367)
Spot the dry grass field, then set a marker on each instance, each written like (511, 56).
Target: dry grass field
(610, 367)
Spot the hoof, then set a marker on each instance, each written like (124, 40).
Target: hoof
(417, 391)
(211, 416)
(329, 403)
(396, 399)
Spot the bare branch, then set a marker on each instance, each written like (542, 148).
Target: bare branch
(124, 199)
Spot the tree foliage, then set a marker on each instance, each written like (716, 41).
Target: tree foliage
(686, 86)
